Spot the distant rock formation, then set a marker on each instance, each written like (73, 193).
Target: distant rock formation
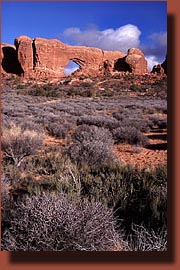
(160, 69)
(41, 58)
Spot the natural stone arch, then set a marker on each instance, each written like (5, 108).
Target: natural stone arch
(40, 57)
(80, 62)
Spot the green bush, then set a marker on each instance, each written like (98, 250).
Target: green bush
(46, 90)
(136, 88)
(83, 91)
(47, 170)
(137, 196)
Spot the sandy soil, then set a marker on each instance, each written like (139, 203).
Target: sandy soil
(152, 156)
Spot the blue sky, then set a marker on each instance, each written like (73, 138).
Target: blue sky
(107, 25)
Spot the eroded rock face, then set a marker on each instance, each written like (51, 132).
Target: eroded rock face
(157, 69)
(136, 61)
(47, 58)
(25, 54)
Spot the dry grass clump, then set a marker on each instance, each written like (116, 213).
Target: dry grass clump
(18, 143)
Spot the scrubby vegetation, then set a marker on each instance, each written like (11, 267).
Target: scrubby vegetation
(53, 223)
(18, 143)
(130, 135)
(63, 186)
(92, 146)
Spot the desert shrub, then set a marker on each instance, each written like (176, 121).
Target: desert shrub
(47, 170)
(142, 239)
(159, 87)
(129, 135)
(99, 121)
(92, 146)
(59, 129)
(5, 191)
(29, 124)
(46, 90)
(83, 91)
(53, 223)
(162, 123)
(130, 118)
(157, 121)
(23, 123)
(136, 196)
(141, 124)
(136, 88)
(154, 119)
(146, 201)
(18, 143)
(55, 172)
(119, 115)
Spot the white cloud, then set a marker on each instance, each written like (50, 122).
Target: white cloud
(152, 61)
(159, 39)
(158, 45)
(120, 39)
(155, 52)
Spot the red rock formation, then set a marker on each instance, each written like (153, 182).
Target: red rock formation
(136, 61)
(160, 69)
(47, 58)
(25, 54)
(157, 69)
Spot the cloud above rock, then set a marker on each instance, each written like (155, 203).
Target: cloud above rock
(155, 52)
(108, 39)
(121, 39)
(152, 61)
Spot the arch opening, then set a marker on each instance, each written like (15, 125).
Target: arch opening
(71, 67)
